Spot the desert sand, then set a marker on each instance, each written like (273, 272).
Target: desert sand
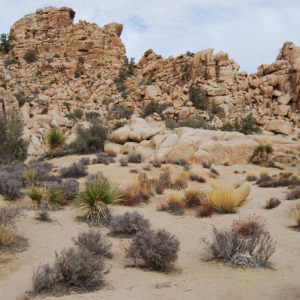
(194, 277)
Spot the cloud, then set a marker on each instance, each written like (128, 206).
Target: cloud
(251, 31)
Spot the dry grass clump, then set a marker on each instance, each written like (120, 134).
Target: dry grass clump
(139, 192)
(74, 270)
(174, 204)
(182, 162)
(193, 198)
(154, 250)
(128, 224)
(205, 210)
(226, 199)
(247, 226)
(94, 242)
(294, 194)
(180, 182)
(7, 237)
(237, 249)
(272, 203)
(296, 217)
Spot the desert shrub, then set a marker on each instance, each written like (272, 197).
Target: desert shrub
(74, 270)
(174, 205)
(91, 139)
(204, 210)
(103, 158)
(54, 196)
(5, 43)
(42, 169)
(93, 115)
(198, 97)
(75, 170)
(126, 70)
(94, 242)
(31, 175)
(157, 250)
(128, 224)
(193, 198)
(296, 217)
(43, 215)
(163, 183)
(267, 181)
(35, 194)
(182, 162)
(7, 237)
(78, 113)
(251, 177)
(120, 112)
(8, 214)
(292, 195)
(171, 124)
(238, 250)
(123, 161)
(214, 171)
(272, 203)
(247, 226)
(154, 107)
(85, 161)
(69, 188)
(81, 60)
(55, 139)
(8, 62)
(12, 145)
(246, 125)
(96, 176)
(197, 122)
(10, 188)
(135, 158)
(30, 56)
(155, 163)
(206, 164)
(139, 192)
(21, 98)
(195, 177)
(94, 197)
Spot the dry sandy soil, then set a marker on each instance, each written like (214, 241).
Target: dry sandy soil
(194, 278)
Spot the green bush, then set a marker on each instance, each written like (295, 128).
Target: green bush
(120, 112)
(12, 145)
(91, 139)
(5, 43)
(9, 62)
(21, 98)
(198, 97)
(78, 73)
(30, 56)
(247, 125)
(81, 60)
(125, 71)
(154, 107)
(93, 115)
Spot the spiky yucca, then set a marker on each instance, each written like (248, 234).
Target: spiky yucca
(31, 175)
(94, 197)
(55, 139)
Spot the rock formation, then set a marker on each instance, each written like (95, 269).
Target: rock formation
(76, 67)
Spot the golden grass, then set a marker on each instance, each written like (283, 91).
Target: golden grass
(296, 216)
(7, 236)
(225, 199)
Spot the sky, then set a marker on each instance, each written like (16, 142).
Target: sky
(250, 31)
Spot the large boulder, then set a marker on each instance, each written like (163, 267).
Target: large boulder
(279, 126)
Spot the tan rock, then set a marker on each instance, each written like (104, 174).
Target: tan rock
(279, 126)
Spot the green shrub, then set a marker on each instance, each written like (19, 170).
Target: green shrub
(185, 69)
(78, 73)
(81, 60)
(91, 139)
(247, 125)
(93, 115)
(191, 54)
(125, 71)
(12, 145)
(120, 112)
(56, 55)
(21, 98)
(9, 62)
(55, 139)
(198, 97)
(154, 107)
(30, 56)
(5, 43)
(94, 197)
(197, 122)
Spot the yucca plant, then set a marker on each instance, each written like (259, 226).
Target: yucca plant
(55, 139)
(94, 197)
(31, 176)
(35, 194)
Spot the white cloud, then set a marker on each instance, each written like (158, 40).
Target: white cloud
(251, 31)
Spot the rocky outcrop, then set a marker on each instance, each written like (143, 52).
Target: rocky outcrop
(195, 145)
(77, 66)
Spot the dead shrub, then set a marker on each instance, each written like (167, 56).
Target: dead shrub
(135, 158)
(294, 194)
(8, 214)
(247, 226)
(7, 237)
(94, 242)
(155, 164)
(154, 250)
(193, 198)
(43, 215)
(74, 270)
(206, 164)
(75, 170)
(128, 224)
(214, 171)
(239, 250)
(205, 210)
(272, 203)
(103, 158)
(195, 177)
(85, 161)
(123, 161)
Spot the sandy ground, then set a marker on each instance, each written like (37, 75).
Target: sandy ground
(194, 277)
